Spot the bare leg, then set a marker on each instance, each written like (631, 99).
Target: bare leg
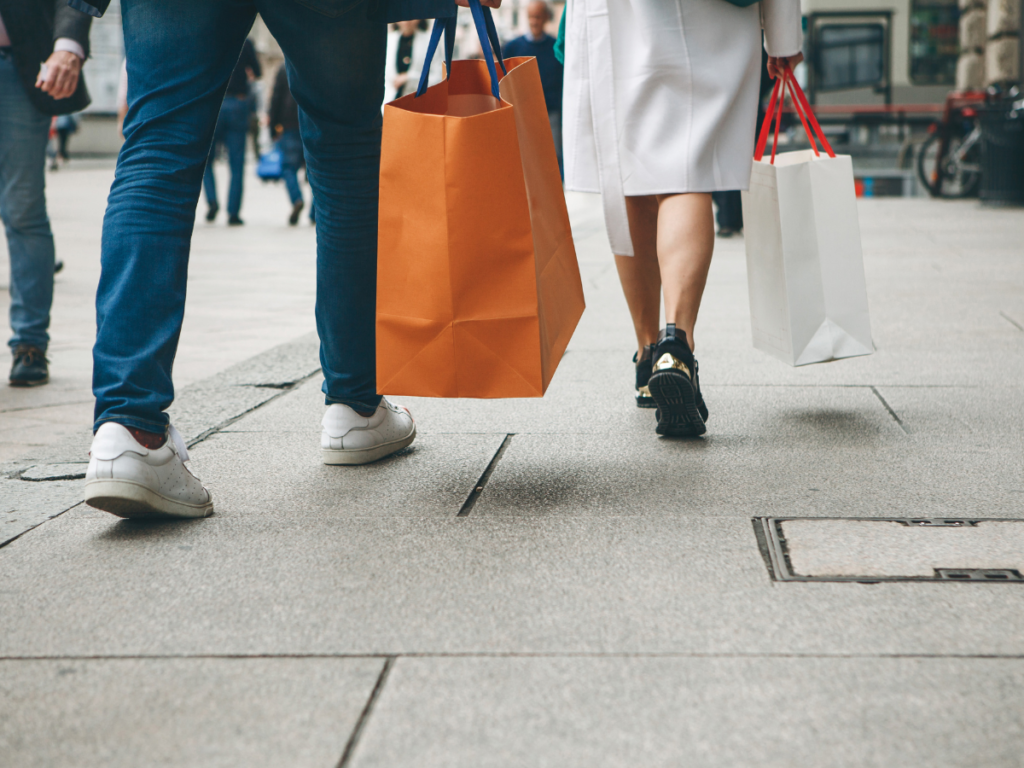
(685, 242)
(640, 274)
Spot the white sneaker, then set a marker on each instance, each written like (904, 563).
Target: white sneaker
(129, 480)
(349, 438)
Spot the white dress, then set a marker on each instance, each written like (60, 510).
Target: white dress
(660, 96)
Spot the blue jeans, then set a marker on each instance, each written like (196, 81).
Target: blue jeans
(24, 134)
(290, 145)
(232, 128)
(180, 55)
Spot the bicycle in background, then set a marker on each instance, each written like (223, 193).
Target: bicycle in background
(949, 160)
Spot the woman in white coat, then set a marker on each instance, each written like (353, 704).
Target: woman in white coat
(407, 50)
(659, 110)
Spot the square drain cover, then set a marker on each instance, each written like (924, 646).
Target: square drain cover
(871, 550)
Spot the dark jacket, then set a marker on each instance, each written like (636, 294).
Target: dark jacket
(551, 69)
(284, 112)
(33, 25)
(379, 10)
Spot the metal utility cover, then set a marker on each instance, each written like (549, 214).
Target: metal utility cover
(893, 549)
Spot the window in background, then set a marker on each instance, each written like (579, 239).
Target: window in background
(934, 42)
(851, 56)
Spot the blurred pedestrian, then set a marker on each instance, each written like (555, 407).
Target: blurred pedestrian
(540, 44)
(730, 204)
(66, 125)
(45, 31)
(407, 50)
(664, 97)
(284, 129)
(730, 212)
(232, 128)
(180, 58)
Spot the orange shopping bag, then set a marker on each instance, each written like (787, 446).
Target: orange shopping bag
(478, 289)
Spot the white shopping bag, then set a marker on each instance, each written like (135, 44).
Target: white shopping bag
(805, 268)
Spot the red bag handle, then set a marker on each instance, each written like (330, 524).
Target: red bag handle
(790, 82)
(799, 96)
(766, 125)
(803, 110)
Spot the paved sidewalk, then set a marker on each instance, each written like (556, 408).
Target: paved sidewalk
(250, 288)
(608, 600)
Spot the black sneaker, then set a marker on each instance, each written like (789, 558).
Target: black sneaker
(675, 387)
(643, 374)
(235, 221)
(211, 212)
(29, 369)
(297, 207)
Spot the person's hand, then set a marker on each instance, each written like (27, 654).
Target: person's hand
(62, 71)
(400, 80)
(776, 64)
(488, 3)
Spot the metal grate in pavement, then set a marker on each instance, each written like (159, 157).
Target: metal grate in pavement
(873, 550)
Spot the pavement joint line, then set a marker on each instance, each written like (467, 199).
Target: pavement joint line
(41, 522)
(470, 502)
(41, 407)
(892, 413)
(202, 436)
(284, 390)
(364, 716)
(393, 657)
(1012, 322)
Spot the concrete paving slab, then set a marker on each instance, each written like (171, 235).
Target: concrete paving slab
(199, 409)
(250, 288)
(705, 713)
(405, 584)
(769, 451)
(193, 713)
(970, 418)
(431, 478)
(24, 504)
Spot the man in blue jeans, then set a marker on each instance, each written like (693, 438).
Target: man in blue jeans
(180, 54)
(44, 31)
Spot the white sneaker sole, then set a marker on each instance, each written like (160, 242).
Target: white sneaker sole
(132, 500)
(366, 455)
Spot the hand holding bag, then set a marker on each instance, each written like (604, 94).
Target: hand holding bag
(478, 288)
(805, 268)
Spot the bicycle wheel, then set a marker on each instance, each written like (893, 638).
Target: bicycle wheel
(928, 166)
(950, 176)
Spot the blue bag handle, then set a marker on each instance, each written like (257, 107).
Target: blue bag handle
(447, 26)
(489, 43)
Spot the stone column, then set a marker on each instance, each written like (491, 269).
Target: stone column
(970, 68)
(1002, 51)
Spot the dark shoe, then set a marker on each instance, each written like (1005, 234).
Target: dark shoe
(235, 221)
(297, 207)
(675, 387)
(643, 375)
(58, 266)
(727, 231)
(29, 369)
(211, 212)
